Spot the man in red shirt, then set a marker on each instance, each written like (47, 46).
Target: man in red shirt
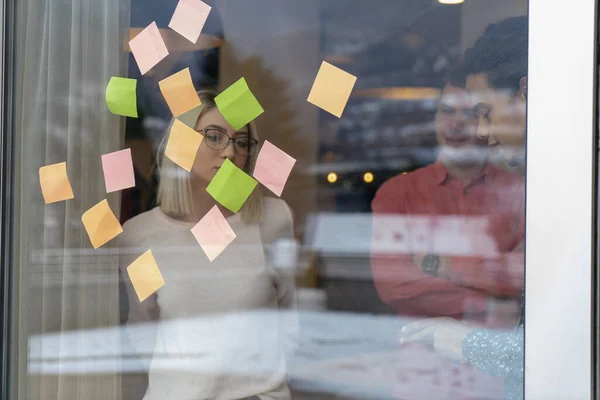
(459, 185)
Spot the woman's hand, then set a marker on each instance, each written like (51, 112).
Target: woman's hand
(445, 335)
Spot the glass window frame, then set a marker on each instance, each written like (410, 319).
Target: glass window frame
(559, 336)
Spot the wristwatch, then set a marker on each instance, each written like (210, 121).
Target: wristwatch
(430, 264)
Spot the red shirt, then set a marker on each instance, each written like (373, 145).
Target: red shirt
(470, 279)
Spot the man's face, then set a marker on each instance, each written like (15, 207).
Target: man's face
(502, 120)
(456, 128)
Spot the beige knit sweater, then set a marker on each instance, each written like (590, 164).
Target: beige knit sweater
(216, 330)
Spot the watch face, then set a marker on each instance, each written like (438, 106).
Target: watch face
(430, 264)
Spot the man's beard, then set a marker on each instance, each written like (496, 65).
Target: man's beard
(464, 156)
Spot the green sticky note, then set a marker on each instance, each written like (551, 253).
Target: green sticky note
(120, 96)
(238, 105)
(231, 186)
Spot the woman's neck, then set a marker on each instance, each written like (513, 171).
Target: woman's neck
(202, 202)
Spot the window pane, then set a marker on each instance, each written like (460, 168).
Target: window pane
(160, 254)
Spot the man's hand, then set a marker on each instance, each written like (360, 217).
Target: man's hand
(445, 335)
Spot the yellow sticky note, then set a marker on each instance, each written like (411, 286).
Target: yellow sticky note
(55, 183)
(179, 92)
(145, 275)
(331, 89)
(101, 224)
(183, 145)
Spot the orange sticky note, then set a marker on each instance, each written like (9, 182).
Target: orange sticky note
(55, 183)
(213, 233)
(148, 48)
(179, 92)
(273, 167)
(101, 224)
(183, 145)
(189, 18)
(331, 89)
(145, 275)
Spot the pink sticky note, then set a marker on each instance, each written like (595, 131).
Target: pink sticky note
(148, 48)
(213, 233)
(118, 170)
(273, 168)
(189, 18)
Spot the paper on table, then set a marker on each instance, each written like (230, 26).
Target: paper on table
(213, 233)
(238, 105)
(118, 170)
(179, 92)
(101, 224)
(273, 168)
(148, 48)
(55, 183)
(183, 145)
(189, 18)
(331, 89)
(231, 186)
(145, 275)
(121, 96)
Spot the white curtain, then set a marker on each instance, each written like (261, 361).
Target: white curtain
(67, 292)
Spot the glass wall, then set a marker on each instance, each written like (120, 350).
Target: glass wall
(160, 249)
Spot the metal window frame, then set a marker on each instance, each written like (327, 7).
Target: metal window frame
(7, 44)
(561, 165)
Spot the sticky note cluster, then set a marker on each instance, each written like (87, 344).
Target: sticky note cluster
(231, 186)
(148, 47)
(100, 222)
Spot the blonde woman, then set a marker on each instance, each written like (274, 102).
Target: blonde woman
(221, 329)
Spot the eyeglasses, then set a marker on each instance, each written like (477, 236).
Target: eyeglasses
(218, 140)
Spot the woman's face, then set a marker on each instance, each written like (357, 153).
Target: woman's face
(208, 159)
(501, 119)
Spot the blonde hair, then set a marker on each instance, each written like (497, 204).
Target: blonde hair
(175, 190)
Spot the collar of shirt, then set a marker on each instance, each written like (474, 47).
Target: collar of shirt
(442, 175)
